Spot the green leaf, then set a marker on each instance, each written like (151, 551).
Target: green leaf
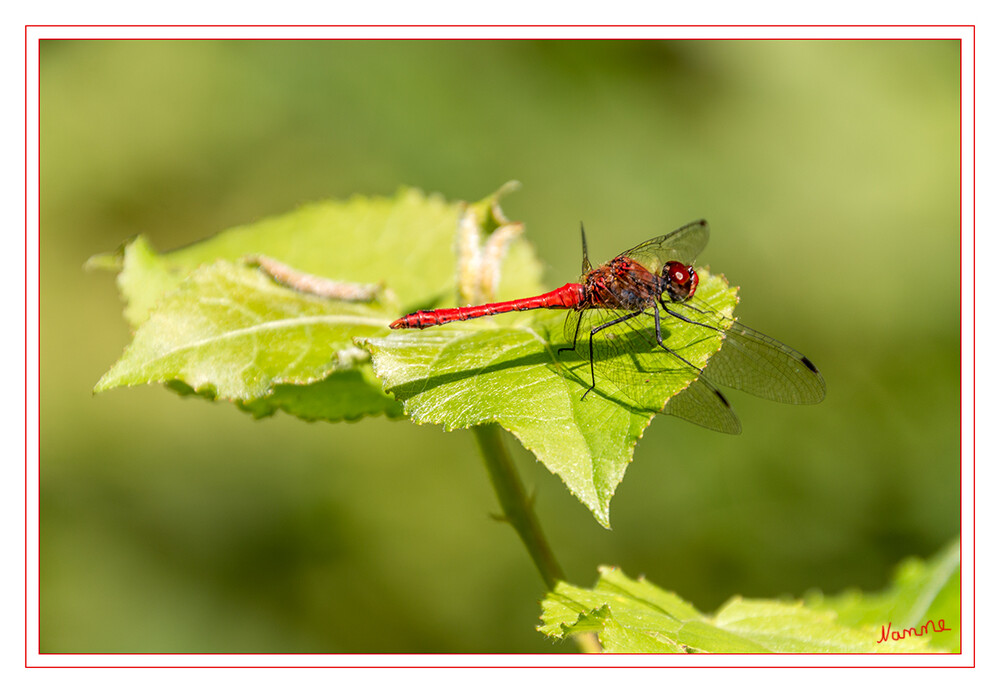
(636, 616)
(208, 325)
(343, 395)
(228, 331)
(922, 592)
(507, 370)
(363, 240)
(405, 242)
(145, 277)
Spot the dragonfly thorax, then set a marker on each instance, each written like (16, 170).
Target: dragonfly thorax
(622, 283)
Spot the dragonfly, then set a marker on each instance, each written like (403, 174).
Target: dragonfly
(619, 314)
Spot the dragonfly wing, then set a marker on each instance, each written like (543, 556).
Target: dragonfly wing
(756, 364)
(682, 245)
(703, 404)
(627, 358)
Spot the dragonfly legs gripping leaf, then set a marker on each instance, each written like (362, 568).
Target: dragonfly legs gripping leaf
(659, 342)
(593, 379)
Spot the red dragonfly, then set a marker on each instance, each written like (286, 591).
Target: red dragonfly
(622, 309)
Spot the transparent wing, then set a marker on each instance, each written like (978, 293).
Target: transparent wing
(627, 359)
(682, 245)
(757, 364)
(703, 404)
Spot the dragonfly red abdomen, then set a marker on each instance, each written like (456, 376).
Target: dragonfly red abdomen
(568, 296)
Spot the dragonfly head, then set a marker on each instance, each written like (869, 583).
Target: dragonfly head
(681, 281)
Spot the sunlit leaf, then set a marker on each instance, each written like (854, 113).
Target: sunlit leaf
(636, 616)
(230, 332)
(343, 395)
(143, 276)
(208, 324)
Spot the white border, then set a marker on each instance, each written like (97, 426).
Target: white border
(34, 34)
(541, 31)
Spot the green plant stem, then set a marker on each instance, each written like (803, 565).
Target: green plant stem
(515, 504)
(517, 510)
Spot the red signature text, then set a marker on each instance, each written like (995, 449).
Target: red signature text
(889, 634)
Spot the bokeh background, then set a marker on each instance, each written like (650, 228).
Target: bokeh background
(829, 171)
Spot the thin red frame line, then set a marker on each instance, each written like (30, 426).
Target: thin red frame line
(493, 666)
(502, 26)
(26, 350)
(960, 545)
(487, 38)
(28, 26)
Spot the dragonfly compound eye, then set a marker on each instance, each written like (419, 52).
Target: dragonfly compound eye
(682, 281)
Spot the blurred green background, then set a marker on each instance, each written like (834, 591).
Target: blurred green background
(829, 171)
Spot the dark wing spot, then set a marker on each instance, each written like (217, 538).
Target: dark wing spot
(809, 365)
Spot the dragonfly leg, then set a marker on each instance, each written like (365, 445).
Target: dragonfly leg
(659, 340)
(689, 320)
(659, 335)
(593, 379)
(576, 334)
